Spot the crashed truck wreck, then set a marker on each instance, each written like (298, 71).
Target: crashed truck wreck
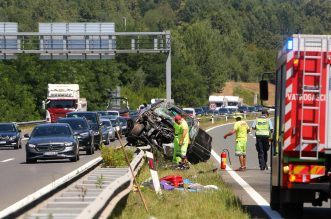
(154, 126)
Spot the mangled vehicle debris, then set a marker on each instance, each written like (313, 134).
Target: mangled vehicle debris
(154, 126)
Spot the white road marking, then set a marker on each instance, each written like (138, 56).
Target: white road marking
(4, 161)
(250, 191)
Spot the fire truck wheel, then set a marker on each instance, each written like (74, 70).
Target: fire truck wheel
(291, 210)
(275, 197)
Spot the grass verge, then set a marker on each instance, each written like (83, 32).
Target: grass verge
(220, 203)
(184, 204)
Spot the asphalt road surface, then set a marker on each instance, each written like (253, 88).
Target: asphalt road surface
(257, 179)
(19, 179)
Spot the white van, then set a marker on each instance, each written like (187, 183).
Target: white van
(190, 111)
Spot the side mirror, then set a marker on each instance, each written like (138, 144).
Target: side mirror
(43, 103)
(26, 136)
(264, 95)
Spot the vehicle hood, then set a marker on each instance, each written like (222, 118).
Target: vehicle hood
(45, 140)
(9, 134)
(77, 132)
(94, 126)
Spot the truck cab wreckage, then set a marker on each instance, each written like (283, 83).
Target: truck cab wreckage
(154, 127)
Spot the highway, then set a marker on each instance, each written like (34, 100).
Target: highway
(257, 179)
(19, 179)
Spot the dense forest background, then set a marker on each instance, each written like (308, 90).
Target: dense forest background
(213, 41)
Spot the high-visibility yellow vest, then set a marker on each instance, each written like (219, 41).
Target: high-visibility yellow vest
(262, 127)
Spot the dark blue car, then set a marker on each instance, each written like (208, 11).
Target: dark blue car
(93, 118)
(84, 133)
(10, 135)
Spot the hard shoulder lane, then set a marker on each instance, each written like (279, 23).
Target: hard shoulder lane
(257, 179)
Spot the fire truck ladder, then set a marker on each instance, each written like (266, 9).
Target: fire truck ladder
(313, 90)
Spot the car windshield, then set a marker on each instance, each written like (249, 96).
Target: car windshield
(123, 121)
(91, 118)
(133, 113)
(7, 128)
(114, 122)
(46, 131)
(75, 124)
(106, 123)
(164, 113)
(188, 111)
(198, 110)
(102, 113)
(113, 113)
(222, 110)
(232, 103)
(61, 104)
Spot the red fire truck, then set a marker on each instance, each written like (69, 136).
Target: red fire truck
(301, 149)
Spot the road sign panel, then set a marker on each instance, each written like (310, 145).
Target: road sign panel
(83, 42)
(8, 42)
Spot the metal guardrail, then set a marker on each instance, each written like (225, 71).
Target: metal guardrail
(100, 199)
(31, 122)
(20, 206)
(92, 211)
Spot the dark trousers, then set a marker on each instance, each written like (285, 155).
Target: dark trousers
(262, 147)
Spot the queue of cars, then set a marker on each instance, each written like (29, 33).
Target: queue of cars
(205, 110)
(78, 131)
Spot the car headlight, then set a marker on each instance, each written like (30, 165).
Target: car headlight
(31, 145)
(12, 138)
(96, 133)
(84, 134)
(68, 144)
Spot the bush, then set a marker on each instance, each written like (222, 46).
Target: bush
(112, 157)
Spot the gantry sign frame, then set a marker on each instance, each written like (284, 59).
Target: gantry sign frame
(121, 43)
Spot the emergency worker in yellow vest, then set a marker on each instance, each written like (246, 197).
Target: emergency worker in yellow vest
(263, 129)
(181, 140)
(241, 129)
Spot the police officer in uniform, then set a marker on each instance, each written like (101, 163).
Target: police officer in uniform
(263, 127)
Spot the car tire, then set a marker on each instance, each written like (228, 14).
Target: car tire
(16, 147)
(90, 150)
(29, 160)
(107, 140)
(74, 159)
